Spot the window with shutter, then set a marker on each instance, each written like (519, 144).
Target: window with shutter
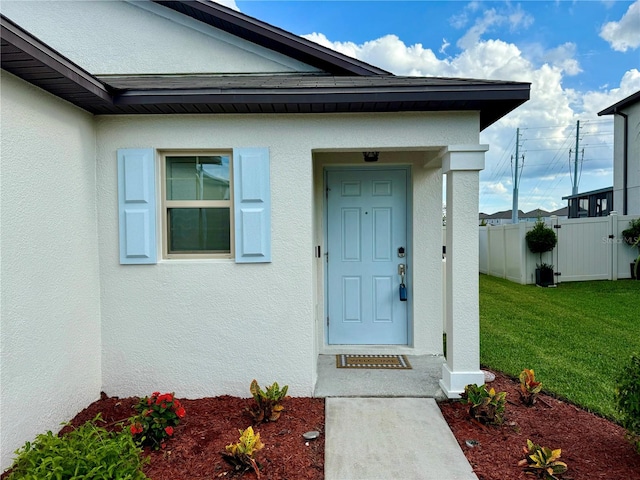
(215, 204)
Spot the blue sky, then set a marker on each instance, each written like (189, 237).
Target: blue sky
(580, 56)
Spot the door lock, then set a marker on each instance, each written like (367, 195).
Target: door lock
(402, 269)
(401, 252)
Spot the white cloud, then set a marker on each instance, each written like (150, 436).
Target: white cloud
(562, 56)
(553, 106)
(496, 188)
(513, 18)
(444, 46)
(625, 34)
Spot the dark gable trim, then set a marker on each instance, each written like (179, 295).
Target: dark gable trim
(622, 104)
(28, 58)
(271, 37)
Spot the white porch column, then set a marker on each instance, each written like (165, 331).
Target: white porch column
(462, 165)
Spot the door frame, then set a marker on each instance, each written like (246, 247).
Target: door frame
(408, 257)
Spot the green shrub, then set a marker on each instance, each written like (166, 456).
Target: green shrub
(156, 419)
(486, 405)
(529, 388)
(267, 407)
(628, 399)
(631, 236)
(242, 455)
(87, 452)
(541, 239)
(542, 462)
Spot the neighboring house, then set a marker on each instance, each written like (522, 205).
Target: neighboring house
(504, 217)
(499, 218)
(534, 215)
(596, 203)
(186, 206)
(561, 212)
(626, 154)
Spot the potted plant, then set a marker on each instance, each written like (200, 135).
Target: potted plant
(631, 236)
(541, 239)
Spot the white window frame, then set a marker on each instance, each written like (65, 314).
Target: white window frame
(169, 204)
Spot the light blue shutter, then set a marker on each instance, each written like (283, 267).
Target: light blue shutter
(252, 205)
(137, 205)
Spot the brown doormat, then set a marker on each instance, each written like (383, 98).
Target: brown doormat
(395, 362)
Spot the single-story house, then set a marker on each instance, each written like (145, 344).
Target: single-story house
(193, 198)
(626, 154)
(503, 217)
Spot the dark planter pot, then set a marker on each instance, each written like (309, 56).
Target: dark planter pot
(544, 277)
(633, 271)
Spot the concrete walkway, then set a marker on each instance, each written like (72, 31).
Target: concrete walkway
(389, 439)
(386, 425)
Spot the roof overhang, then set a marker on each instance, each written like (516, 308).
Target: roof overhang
(591, 192)
(28, 58)
(622, 104)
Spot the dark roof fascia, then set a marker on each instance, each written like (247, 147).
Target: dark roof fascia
(591, 192)
(622, 104)
(492, 99)
(271, 37)
(46, 66)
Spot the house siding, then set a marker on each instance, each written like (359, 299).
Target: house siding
(142, 38)
(633, 179)
(208, 327)
(50, 304)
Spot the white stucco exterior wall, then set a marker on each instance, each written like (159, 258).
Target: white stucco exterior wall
(208, 327)
(141, 38)
(50, 291)
(633, 154)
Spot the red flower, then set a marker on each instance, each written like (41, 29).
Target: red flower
(147, 412)
(169, 430)
(149, 401)
(136, 428)
(155, 394)
(180, 412)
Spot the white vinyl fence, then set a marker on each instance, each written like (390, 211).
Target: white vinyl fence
(587, 249)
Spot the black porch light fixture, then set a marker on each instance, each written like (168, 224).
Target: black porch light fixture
(370, 156)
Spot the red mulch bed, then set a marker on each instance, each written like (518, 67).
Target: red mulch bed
(212, 423)
(592, 447)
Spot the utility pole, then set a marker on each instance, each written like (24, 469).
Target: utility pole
(514, 208)
(574, 191)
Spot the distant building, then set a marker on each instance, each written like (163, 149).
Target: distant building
(534, 215)
(626, 154)
(498, 218)
(561, 212)
(596, 203)
(504, 217)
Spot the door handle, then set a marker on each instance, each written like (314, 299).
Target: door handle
(403, 288)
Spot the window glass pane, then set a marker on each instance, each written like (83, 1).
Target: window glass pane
(199, 230)
(198, 178)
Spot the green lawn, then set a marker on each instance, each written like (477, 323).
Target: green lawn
(576, 337)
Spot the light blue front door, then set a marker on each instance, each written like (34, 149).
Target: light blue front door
(366, 230)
